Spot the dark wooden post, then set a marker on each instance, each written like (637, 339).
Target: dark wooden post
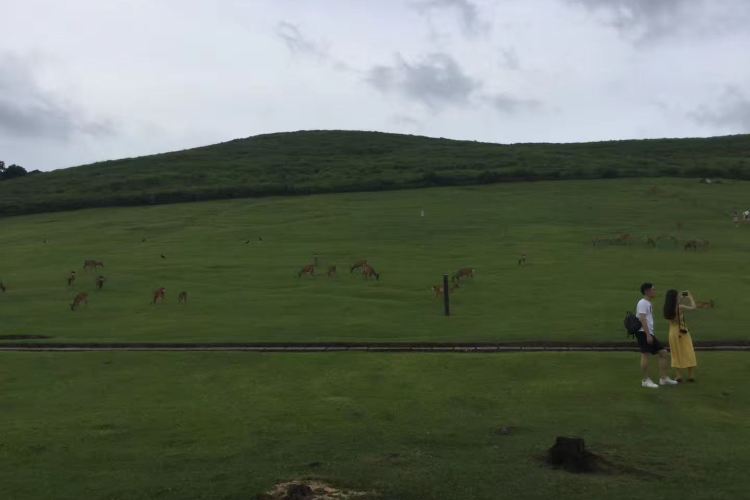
(446, 297)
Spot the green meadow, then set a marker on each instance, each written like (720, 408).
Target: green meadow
(238, 260)
(402, 426)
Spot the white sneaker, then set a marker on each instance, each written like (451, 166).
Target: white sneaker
(649, 383)
(667, 381)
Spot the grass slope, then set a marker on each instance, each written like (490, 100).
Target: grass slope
(336, 161)
(208, 426)
(250, 292)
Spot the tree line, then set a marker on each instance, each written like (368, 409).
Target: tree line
(13, 171)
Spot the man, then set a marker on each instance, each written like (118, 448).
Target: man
(647, 341)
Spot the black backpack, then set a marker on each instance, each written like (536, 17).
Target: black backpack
(632, 323)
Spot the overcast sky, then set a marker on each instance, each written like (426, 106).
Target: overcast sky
(90, 80)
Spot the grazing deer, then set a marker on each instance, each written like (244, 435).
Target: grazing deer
(705, 304)
(100, 282)
(697, 245)
(159, 295)
(368, 272)
(81, 298)
(669, 237)
(358, 265)
(522, 260)
(71, 278)
(438, 289)
(182, 298)
(308, 269)
(2, 287)
(331, 271)
(465, 272)
(600, 241)
(92, 264)
(624, 239)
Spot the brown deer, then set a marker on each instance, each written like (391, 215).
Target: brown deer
(308, 269)
(159, 295)
(92, 264)
(709, 304)
(669, 237)
(368, 272)
(438, 289)
(100, 282)
(602, 241)
(182, 298)
(331, 271)
(358, 265)
(464, 272)
(623, 239)
(81, 298)
(71, 278)
(697, 245)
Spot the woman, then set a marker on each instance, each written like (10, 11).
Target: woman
(680, 342)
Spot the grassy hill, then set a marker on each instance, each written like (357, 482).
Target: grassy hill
(339, 161)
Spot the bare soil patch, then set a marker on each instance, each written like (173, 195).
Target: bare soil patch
(311, 490)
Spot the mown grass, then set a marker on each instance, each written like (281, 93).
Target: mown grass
(250, 291)
(341, 161)
(229, 425)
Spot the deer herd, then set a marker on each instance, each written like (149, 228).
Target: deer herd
(362, 266)
(83, 298)
(627, 239)
(367, 271)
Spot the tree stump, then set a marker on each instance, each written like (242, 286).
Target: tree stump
(571, 454)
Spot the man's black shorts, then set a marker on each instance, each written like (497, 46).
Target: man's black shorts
(645, 347)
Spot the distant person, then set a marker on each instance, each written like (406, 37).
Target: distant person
(680, 342)
(647, 342)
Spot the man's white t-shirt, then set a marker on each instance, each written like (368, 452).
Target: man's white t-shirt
(645, 307)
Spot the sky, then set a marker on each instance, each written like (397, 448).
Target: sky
(91, 80)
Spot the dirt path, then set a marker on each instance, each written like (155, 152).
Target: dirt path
(436, 347)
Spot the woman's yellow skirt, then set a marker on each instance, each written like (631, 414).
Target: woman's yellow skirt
(681, 346)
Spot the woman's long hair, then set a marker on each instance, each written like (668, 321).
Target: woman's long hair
(670, 304)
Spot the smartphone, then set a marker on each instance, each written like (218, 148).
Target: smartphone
(685, 294)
